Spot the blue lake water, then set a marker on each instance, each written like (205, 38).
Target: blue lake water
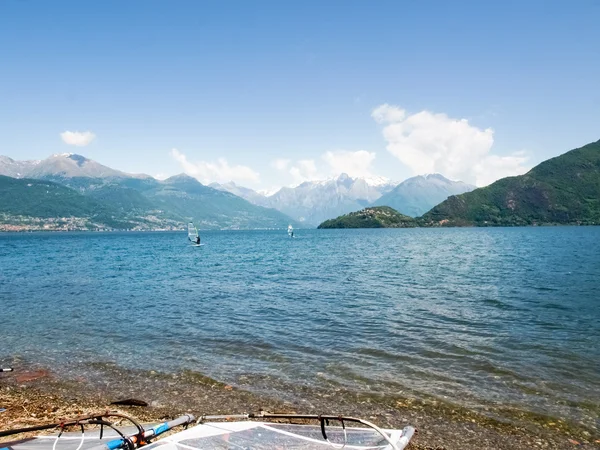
(478, 317)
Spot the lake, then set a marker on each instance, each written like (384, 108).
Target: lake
(485, 318)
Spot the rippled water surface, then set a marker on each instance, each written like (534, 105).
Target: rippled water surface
(479, 317)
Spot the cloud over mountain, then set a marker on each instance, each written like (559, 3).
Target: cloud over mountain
(331, 163)
(217, 171)
(77, 138)
(280, 163)
(428, 142)
(304, 170)
(355, 164)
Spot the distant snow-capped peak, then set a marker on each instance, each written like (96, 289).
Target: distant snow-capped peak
(268, 192)
(437, 177)
(378, 181)
(373, 181)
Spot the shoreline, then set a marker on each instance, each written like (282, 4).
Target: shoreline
(38, 395)
(124, 231)
(442, 226)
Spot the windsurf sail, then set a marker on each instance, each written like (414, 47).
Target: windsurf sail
(290, 230)
(193, 233)
(216, 432)
(329, 432)
(102, 431)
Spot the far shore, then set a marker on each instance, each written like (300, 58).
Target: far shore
(437, 227)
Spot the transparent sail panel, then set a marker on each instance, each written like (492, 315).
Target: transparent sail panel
(220, 436)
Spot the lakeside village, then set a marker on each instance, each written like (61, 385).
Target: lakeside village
(30, 224)
(26, 224)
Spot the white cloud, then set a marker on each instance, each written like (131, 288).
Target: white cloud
(219, 171)
(304, 170)
(161, 176)
(493, 167)
(387, 113)
(355, 164)
(78, 138)
(280, 163)
(427, 142)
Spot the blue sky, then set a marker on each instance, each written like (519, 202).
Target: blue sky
(271, 93)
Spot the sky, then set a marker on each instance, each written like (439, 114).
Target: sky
(272, 93)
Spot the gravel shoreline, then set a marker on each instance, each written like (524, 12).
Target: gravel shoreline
(38, 396)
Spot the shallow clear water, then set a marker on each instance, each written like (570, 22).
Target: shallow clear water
(479, 317)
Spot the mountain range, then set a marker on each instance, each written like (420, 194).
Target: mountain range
(417, 195)
(138, 201)
(76, 192)
(564, 190)
(312, 202)
(64, 165)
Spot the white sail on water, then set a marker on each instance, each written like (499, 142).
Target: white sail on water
(290, 230)
(192, 232)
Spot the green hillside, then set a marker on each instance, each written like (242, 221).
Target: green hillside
(47, 200)
(185, 197)
(42, 199)
(140, 203)
(123, 199)
(561, 190)
(372, 217)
